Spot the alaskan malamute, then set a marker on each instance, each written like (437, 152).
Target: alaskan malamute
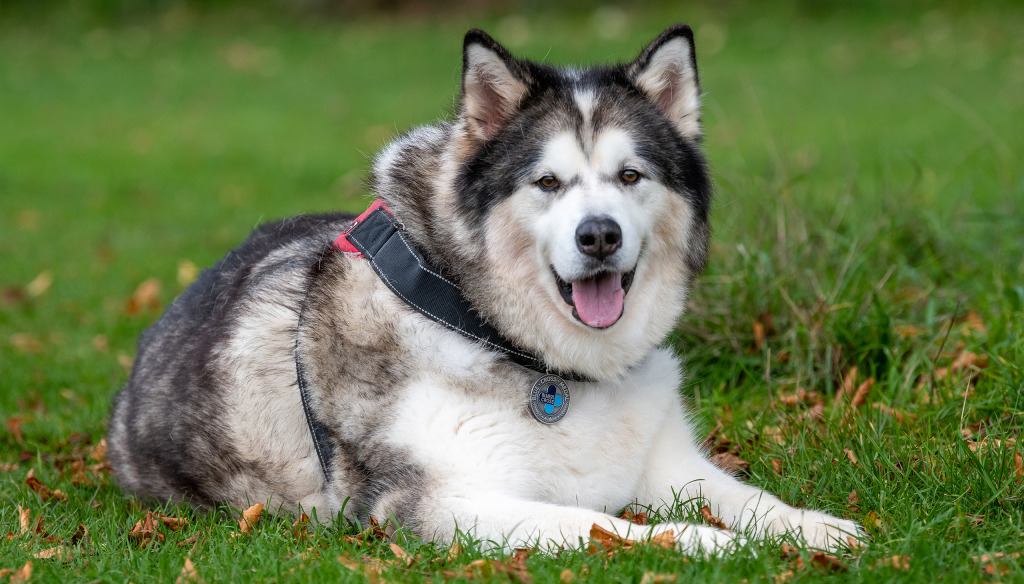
(479, 351)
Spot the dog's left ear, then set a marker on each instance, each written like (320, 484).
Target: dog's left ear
(493, 84)
(667, 72)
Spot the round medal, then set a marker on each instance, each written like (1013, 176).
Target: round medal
(549, 399)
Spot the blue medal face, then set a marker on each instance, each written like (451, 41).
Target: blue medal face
(549, 399)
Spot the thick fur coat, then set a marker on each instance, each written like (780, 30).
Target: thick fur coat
(571, 208)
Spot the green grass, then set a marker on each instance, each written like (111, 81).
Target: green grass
(868, 179)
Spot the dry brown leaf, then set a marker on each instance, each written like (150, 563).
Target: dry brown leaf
(566, 576)
(983, 558)
(604, 541)
(895, 562)
(99, 453)
(250, 517)
(908, 331)
(40, 284)
(188, 573)
(639, 517)
(652, 578)
(827, 562)
(372, 533)
(850, 455)
(965, 361)
(146, 296)
(187, 273)
(27, 343)
(853, 500)
(23, 575)
(453, 552)
(901, 417)
(710, 519)
(125, 361)
(1019, 464)
(973, 322)
(789, 552)
(849, 383)
(145, 531)
(521, 554)
(400, 553)
(100, 343)
(758, 336)
(6, 572)
(300, 528)
(784, 577)
(25, 520)
(801, 397)
(975, 519)
(59, 553)
(173, 523)
(44, 492)
(861, 396)
(81, 535)
(712, 438)
(776, 466)
(9, 466)
(14, 427)
(729, 462)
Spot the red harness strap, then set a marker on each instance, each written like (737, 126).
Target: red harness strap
(343, 244)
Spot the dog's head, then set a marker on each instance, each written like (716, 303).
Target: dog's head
(583, 195)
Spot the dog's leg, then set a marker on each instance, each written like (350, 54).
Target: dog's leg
(677, 470)
(511, 523)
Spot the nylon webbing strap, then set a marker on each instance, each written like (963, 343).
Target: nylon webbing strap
(406, 272)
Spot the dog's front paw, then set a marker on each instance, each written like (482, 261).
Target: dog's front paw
(822, 531)
(703, 540)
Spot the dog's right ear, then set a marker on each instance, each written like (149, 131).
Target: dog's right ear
(493, 84)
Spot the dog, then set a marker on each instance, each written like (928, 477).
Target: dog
(479, 352)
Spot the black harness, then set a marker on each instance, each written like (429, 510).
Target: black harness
(377, 237)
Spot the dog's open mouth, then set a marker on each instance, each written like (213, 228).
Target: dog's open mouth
(597, 301)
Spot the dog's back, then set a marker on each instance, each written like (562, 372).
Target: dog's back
(170, 428)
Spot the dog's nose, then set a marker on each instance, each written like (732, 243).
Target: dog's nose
(599, 237)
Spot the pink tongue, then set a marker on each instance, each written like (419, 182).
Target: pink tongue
(599, 300)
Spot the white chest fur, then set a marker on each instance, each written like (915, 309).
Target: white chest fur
(474, 433)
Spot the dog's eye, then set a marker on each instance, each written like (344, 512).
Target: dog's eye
(629, 175)
(548, 183)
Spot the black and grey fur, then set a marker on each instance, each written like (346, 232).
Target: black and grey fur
(422, 424)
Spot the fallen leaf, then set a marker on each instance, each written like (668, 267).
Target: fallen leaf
(400, 553)
(652, 578)
(23, 575)
(801, 397)
(758, 336)
(454, 552)
(776, 466)
(173, 523)
(188, 573)
(250, 517)
(81, 535)
(973, 322)
(27, 343)
(849, 454)
(852, 501)
(789, 551)
(44, 492)
(609, 543)
(24, 520)
(827, 562)
(300, 528)
(146, 296)
(124, 361)
(710, 519)
(9, 466)
(14, 427)
(187, 272)
(895, 562)
(849, 382)
(729, 462)
(99, 453)
(59, 553)
(908, 331)
(40, 284)
(900, 416)
(965, 361)
(100, 343)
(372, 533)
(639, 518)
(975, 520)
(189, 540)
(521, 554)
(145, 531)
(566, 576)
(871, 520)
(861, 396)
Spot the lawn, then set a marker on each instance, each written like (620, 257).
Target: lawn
(869, 214)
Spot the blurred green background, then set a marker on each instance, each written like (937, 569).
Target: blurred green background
(866, 156)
